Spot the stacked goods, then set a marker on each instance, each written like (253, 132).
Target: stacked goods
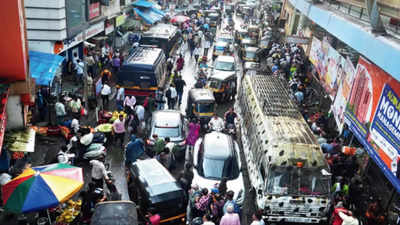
(70, 212)
(115, 115)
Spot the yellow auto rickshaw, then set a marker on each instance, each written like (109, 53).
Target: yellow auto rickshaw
(200, 104)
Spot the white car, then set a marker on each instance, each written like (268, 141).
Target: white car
(215, 156)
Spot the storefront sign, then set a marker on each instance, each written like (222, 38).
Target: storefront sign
(109, 27)
(90, 32)
(94, 10)
(373, 115)
(120, 20)
(94, 29)
(297, 40)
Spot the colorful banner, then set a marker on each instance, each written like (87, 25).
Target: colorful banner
(329, 65)
(339, 105)
(373, 115)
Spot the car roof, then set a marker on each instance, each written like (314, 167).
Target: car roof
(144, 56)
(156, 178)
(225, 58)
(217, 145)
(167, 118)
(251, 49)
(107, 212)
(222, 75)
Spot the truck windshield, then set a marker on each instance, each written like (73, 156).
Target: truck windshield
(297, 181)
(205, 107)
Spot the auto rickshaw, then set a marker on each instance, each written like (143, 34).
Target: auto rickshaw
(200, 105)
(214, 19)
(240, 34)
(247, 42)
(254, 31)
(249, 54)
(220, 48)
(223, 86)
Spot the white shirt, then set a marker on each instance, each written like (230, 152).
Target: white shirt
(75, 125)
(196, 51)
(255, 222)
(216, 124)
(207, 44)
(60, 109)
(208, 223)
(170, 146)
(120, 94)
(174, 94)
(106, 90)
(140, 112)
(79, 67)
(98, 170)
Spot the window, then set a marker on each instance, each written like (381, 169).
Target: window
(76, 16)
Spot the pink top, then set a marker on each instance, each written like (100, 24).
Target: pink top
(119, 126)
(155, 219)
(230, 219)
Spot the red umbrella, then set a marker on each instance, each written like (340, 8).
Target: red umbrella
(179, 19)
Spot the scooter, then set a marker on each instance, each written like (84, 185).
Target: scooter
(95, 151)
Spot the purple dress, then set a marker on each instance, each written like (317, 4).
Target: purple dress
(194, 130)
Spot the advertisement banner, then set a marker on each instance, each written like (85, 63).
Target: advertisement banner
(339, 105)
(94, 10)
(373, 115)
(329, 65)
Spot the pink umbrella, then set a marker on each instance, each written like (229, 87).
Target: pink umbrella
(179, 19)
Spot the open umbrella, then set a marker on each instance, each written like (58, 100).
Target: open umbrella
(179, 19)
(42, 187)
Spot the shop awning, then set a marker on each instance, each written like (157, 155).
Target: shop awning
(43, 66)
(142, 3)
(150, 15)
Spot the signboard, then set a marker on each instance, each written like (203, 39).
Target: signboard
(339, 105)
(94, 10)
(109, 27)
(120, 20)
(94, 29)
(297, 40)
(373, 115)
(329, 65)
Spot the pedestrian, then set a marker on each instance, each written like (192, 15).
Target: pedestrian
(180, 62)
(90, 62)
(203, 202)
(120, 98)
(140, 112)
(75, 124)
(134, 149)
(170, 65)
(222, 187)
(257, 217)
(159, 144)
(159, 98)
(79, 71)
(207, 45)
(230, 217)
(129, 104)
(193, 134)
(173, 95)
(116, 63)
(75, 105)
(231, 201)
(207, 220)
(196, 53)
(105, 93)
(60, 112)
(99, 172)
(113, 194)
(119, 130)
(179, 85)
(105, 76)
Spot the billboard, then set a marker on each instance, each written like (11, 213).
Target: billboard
(373, 115)
(339, 105)
(329, 65)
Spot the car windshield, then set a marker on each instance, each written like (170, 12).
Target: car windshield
(297, 181)
(250, 55)
(214, 83)
(212, 168)
(225, 39)
(225, 66)
(205, 107)
(167, 131)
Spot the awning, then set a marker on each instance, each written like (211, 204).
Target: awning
(43, 66)
(142, 3)
(150, 15)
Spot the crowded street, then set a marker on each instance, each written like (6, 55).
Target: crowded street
(200, 112)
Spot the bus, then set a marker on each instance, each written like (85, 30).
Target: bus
(164, 36)
(287, 169)
(143, 72)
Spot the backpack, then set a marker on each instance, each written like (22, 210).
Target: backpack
(168, 93)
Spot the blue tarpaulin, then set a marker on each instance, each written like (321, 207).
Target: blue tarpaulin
(43, 66)
(142, 3)
(150, 15)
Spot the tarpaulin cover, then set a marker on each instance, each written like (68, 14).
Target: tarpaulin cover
(43, 66)
(142, 3)
(150, 15)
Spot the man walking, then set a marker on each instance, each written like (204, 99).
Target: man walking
(105, 92)
(172, 95)
(98, 172)
(179, 84)
(196, 53)
(119, 129)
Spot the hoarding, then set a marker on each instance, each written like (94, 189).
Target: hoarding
(339, 105)
(94, 10)
(373, 115)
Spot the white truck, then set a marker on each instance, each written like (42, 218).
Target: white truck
(286, 166)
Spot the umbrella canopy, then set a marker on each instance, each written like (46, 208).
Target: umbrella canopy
(42, 187)
(179, 19)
